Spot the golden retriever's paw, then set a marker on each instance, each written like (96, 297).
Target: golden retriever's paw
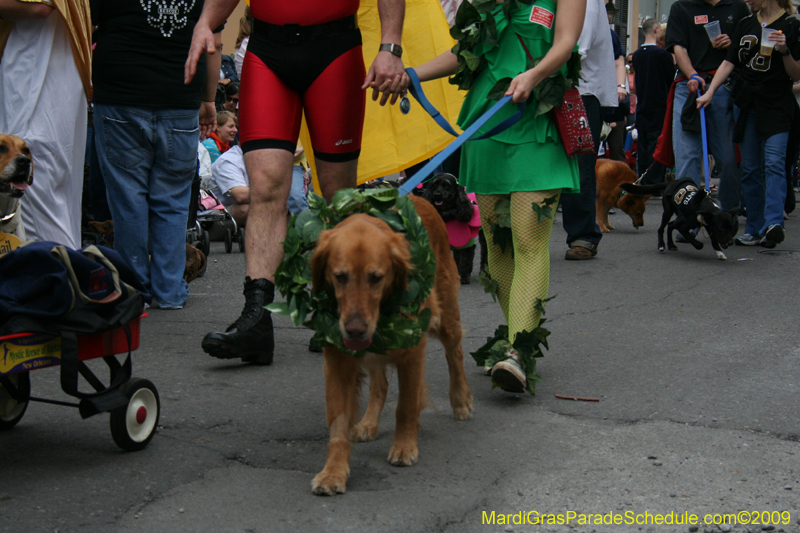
(326, 484)
(364, 432)
(463, 412)
(403, 455)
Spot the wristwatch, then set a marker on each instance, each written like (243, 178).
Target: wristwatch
(787, 52)
(392, 49)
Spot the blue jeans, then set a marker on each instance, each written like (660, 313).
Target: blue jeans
(297, 197)
(149, 157)
(688, 145)
(763, 177)
(578, 209)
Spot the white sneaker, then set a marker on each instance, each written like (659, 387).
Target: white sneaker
(508, 374)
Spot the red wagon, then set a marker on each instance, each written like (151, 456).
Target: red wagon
(133, 404)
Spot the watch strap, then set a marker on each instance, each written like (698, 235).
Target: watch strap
(394, 49)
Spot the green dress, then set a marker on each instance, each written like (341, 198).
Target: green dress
(529, 155)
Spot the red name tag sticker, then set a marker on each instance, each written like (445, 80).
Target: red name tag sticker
(540, 15)
(701, 19)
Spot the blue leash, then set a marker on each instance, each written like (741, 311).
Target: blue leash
(704, 136)
(416, 91)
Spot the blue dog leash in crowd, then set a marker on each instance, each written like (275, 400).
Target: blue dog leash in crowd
(703, 133)
(416, 91)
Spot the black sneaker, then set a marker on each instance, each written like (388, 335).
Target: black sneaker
(774, 235)
(250, 337)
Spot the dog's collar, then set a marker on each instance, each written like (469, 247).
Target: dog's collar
(403, 321)
(6, 219)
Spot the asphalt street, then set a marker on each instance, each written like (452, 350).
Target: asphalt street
(695, 363)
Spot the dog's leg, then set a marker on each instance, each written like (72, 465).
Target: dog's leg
(450, 334)
(467, 258)
(367, 429)
(342, 377)
(601, 215)
(718, 250)
(410, 371)
(691, 239)
(670, 242)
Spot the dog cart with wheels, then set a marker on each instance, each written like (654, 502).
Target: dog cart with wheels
(67, 308)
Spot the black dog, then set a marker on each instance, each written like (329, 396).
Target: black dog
(451, 201)
(692, 209)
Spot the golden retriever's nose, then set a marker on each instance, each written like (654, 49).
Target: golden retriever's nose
(355, 328)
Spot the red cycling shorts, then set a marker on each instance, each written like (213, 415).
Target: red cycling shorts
(321, 77)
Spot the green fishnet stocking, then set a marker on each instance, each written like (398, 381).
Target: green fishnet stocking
(523, 276)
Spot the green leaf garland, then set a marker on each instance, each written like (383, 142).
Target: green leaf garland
(401, 323)
(528, 345)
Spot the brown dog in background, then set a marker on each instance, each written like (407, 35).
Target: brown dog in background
(610, 174)
(361, 262)
(16, 174)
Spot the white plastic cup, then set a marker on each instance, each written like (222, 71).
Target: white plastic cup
(713, 30)
(767, 46)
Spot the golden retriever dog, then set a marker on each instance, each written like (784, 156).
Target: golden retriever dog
(16, 174)
(610, 174)
(361, 262)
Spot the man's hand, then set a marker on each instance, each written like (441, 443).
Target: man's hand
(693, 84)
(208, 119)
(721, 41)
(202, 41)
(385, 76)
(621, 94)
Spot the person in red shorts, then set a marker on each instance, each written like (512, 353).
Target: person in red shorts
(304, 56)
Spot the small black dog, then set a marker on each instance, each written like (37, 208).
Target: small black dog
(451, 201)
(692, 209)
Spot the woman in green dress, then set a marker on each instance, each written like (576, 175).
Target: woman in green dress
(518, 174)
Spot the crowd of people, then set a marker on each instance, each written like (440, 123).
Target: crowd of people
(239, 115)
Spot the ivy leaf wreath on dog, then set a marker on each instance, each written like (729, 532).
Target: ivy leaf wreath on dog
(401, 323)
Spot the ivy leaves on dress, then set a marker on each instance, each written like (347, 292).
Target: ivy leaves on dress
(401, 324)
(475, 24)
(527, 344)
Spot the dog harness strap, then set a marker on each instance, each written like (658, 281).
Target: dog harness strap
(416, 91)
(437, 160)
(704, 138)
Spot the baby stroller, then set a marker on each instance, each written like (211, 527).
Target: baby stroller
(206, 216)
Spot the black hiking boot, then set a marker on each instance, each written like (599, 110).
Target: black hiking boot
(250, 337)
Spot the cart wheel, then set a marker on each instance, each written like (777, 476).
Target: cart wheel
(134, 425)
(11, 410)
(206, 240)
(240, 238)
(228, 241)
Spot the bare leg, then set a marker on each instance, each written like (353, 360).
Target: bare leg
(270, 173)
(335, 176)
(239, 213)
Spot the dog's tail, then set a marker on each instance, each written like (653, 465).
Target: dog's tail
(643, 189)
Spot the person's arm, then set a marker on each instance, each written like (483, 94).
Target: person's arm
(14, 10)
(620, 66)
(386, 72)
(438, 67)
(685, 66)
(240, 194)
(215, 12)
(569, 22)
(791, 66)
(724, 70)
(208, 110)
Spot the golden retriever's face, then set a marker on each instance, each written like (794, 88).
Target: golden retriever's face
(361, 262)
(16, 168)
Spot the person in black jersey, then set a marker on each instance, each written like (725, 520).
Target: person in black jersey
(766, 112)
(697, 56)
